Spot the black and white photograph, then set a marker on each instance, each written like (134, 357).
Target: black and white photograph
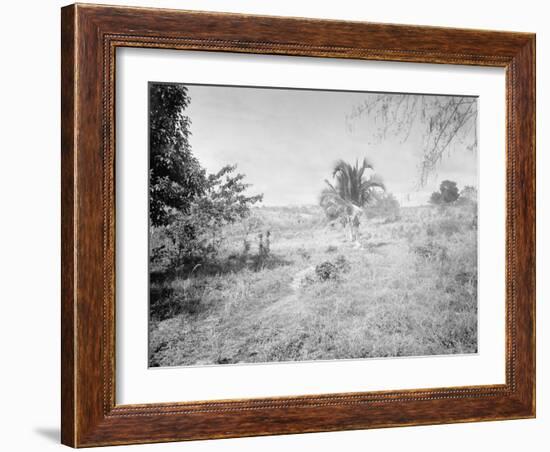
(294, 224)
(275, 226)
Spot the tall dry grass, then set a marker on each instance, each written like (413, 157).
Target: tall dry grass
(409, 288)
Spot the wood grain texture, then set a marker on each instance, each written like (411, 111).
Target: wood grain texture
(67, 226)
(90, 36)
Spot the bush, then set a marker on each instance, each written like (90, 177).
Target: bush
(264, 250)
(468, 196)
(326, 270)
(386, 206)
(196, 235)
(431, 251)
(445, 226)
(332, 270)
(447, 194)
(342, 264)
(449, 226)
(436, 199)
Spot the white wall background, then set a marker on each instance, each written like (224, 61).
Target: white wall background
(29, 226)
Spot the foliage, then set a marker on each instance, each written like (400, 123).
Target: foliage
(443, 227)
(197, 233)
(332, 270)
(248, 225)
(436, 198)
(224, 200)
(351, 191)
(447, 194)
(175, 175)
(264, 249)
(351, 187)
(445, 123)
(431, 251)
(326, 270)
(385, 206)
(468, 195)
(449, 191)
(342, 264)
(186, 205)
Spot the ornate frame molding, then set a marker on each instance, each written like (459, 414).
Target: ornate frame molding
(90, 37)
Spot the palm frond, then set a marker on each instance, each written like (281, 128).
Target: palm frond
(351, 184)
(332, 203)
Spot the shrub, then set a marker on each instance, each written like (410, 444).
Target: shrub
(386, 206)
(197, 233)
(326, 271)
(264, 246)
(436, 198)
(468, 195)
(447, 194)
(264, 250)
(342, 264)
(449, 226)
(431, 251)
(445, 226)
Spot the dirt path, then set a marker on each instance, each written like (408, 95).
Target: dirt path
(290, 302)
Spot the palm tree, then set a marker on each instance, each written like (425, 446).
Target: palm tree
(350, 193)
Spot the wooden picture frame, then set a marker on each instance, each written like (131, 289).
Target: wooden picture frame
(90, 35)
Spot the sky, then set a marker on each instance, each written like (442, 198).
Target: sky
(286, 141)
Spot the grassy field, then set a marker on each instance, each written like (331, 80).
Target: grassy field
(408, 287)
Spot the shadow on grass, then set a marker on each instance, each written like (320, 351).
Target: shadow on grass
(231, 264)
(167, 302)
(238, 263)
(375, 246)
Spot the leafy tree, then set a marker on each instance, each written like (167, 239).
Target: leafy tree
(225, 200)
(175, 175)
(444, 121)
(447, 194)
(197, 232)
(436, 199)
(468, 193)
(449, 191)
(186, 205)
(350, 193)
